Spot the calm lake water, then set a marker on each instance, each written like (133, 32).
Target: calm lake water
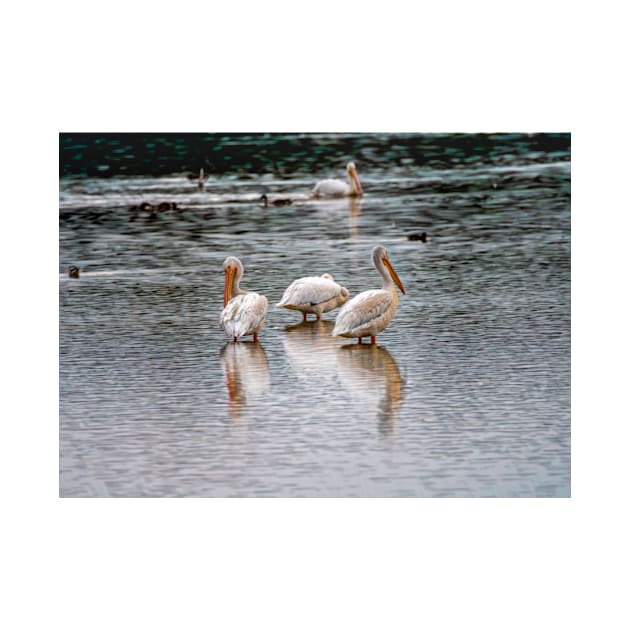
(467, 393)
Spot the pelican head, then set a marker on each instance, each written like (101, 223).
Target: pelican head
(354, 177)
(233, 269)
(383, 265)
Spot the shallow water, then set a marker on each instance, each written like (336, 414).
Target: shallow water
(466, 394)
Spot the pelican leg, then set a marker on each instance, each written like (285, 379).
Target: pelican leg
(319, 316)
(373, 339)
(255, 337)
(304, 318)
(360, 340)
(235, 338)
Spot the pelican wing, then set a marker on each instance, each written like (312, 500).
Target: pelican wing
(361, 310)
(244, 314)
(311, 290)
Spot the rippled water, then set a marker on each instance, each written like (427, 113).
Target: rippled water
(466, 394)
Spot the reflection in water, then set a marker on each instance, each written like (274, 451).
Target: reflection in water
(311, 349)
(371, 373)
(488, 304)
(246, 371)
(354, 217)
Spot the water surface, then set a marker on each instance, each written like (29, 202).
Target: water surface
(467, 393)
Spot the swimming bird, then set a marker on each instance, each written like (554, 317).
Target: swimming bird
(167, 205)
(314, 294)
(418, 237)
(198, 177)
(145, 205)
(243, 312)
(276, 202)
(73, 271)
(338, 188)
(370, 312)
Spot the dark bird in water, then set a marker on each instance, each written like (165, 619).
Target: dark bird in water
(145, 205)
(198, 177)
(149, 207)
(276, 202)
(167, 205)
(73, 271)
(418, 237)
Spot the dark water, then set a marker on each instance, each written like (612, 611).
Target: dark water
(466, 394)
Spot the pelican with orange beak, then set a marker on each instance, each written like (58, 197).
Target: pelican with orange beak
(339, 188)
(369, 313)
(314, 294)
(243, 312)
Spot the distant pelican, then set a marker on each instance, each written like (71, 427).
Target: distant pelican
(314, 294)
(338, 188)
(370, 312)
(73, 271)
(243, 311)
(276, 202)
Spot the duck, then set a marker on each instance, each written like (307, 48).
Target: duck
(276, 202)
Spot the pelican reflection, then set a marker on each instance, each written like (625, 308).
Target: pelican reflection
(246, 372)
(354, 217)
(311, 350)
(370, 373)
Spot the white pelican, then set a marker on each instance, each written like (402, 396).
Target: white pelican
(337, 188)
(285, 201)
(370, 312)
(314, 294)
(243, 311)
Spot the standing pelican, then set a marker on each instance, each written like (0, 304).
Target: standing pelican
(370, 312)
(338, 188)
(243, 311)
(314, 294)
